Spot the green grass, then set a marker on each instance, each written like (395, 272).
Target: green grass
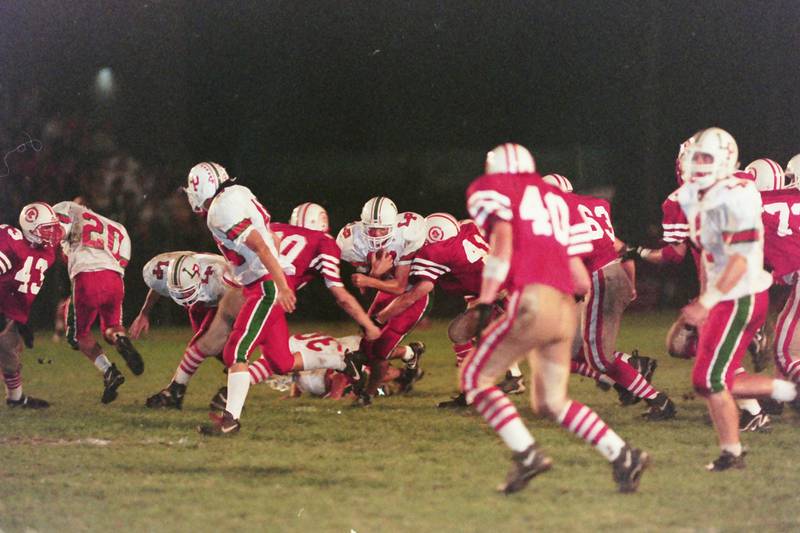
(400, 465)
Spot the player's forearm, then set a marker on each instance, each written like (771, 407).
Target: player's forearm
(498, 262)
(733, 273)
(630, 270)
(404, 301)
(350, 305)
(149, 302)
(256, 243)
(391, 286)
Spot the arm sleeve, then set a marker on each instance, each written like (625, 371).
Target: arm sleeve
(674, 226)
(425, 268)
(485, 205)
(741, 222)
(580, 234)
(326, 263)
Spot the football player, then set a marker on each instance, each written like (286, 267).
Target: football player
(452, 259)
(381, 246)
(535, 236)
(240, 226)
(98, 251)
(198, 282)
(613, 287)
(25, 256)
(724, 214)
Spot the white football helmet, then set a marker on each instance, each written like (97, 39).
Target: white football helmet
(40, 225)
(678, 165)
(510, 158)
(793, 172)
(203, 183)
(378, 218)
(440, 226)
(559, 181)
(712, 155)
(310, 216)
(184, 277)
(767, 174)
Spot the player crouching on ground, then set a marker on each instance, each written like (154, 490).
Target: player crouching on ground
(724, 215)
(530, 226)
(98, 251)
(25, 256)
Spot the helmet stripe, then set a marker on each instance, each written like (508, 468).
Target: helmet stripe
(214, 168)
(176, 269)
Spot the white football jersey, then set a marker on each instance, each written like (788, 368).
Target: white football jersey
(408, 236)
(214, 272)
(313, 381)
(725, 220)
(94, 241)
(233, 214)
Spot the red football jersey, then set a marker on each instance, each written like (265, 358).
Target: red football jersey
(597, 213)
(455, 265)
(313, 253)
(781, 217)
(547, 229)
(674, 225)
(22, 269)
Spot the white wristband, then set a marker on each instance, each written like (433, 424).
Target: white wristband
(644, 253)
(710, 297)
(495, 268)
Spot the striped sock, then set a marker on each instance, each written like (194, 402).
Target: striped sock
(502, 416)
(13, 385)
(583, 369)
(586, 424)
(793, 371)
(462, 351)
(192, 358)
(259, 371)
(627, 376)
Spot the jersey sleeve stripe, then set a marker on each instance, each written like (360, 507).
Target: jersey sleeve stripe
(491, 206)
(578, 249)
(324, 257)
(238, 229)
(502, 199)
(5, 264)
(675, 226)
(425, 273)
(428, 263)
(675, 239)
(749, 235)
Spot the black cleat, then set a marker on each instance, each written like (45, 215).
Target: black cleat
(112, 379)
(628, 468)
(408, 377)
(362, 400)
(456, 402)
(512, 384)
(661, 408)
(771, 407)
(646, 366)
(759, 423)
(128, 352)
(418, 348)
(626, 397)
(169, 398)
(726, 461)
(221, 424)
(525, 466)
(27, 402)
(353, 363)
(220, 400)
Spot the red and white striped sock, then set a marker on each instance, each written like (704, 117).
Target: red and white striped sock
(192, 358)
(583, 369)
(627, 376)
(586, 424)
(13, 385)
(462, 351)
(793, 371)
(259, 371)
(502, 416)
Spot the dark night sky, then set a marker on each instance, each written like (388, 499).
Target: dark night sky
(248, 82)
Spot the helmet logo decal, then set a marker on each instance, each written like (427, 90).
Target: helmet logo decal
(31, 214)
(195, 182)
(435, 234)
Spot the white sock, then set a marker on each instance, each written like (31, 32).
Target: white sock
(516, 435)
(102, 363)
(624, 356)
(750, 405)
(409, 354)
(315, 360)
(605, 379)
(181, 377)
(735, 449)
(610, 445)
(783, 391)
(515, 371)
(238, 385)
(14, 394)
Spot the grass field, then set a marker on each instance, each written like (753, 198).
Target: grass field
(399, 465)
